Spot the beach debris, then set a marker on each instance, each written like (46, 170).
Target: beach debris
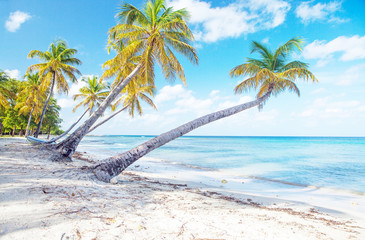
(46, 191)
(182, 229)
(78, 234)
(224, 181)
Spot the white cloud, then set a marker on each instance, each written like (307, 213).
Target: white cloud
(332, 109)
(15, 73)
(16, 19)
(320, 11)
(211, 23)
(265, 40)
(66, 102)
(183, 99)
(354, 75)
(350, 48)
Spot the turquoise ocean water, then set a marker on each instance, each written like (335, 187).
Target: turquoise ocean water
(333, 162)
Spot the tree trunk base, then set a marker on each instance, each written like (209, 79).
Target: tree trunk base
(102, 174)
(58, 157)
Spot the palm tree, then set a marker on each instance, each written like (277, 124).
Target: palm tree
(31, 98)
(93, 93)
(133, 92)
(57, 64)
(152, 35)
(270, 75)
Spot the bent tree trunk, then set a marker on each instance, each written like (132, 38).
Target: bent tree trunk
(113, 166)
(69, 129)
(68, 146)
(45, 106)
(107, 119)
(29, 120)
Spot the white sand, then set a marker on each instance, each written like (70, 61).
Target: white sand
(40, 199)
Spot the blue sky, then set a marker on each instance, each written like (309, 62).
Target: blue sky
(335, 49)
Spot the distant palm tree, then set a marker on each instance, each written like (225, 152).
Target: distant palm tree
(152, 34)
(57, 64)
(270, 74)
(31, 98)
(94, 93)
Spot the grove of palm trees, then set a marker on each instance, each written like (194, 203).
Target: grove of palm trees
(141, 39)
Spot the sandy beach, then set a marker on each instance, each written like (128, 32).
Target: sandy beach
(40, 199)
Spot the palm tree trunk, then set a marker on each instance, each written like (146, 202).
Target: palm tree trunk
(45, 106)
(21, 131)
(1, 129)
(107, 119)
(68, 146)
(113, 166)
(14, 129)
(29, 120)
(68, 130)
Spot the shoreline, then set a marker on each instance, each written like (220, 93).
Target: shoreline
(340, 202)
(40, 198)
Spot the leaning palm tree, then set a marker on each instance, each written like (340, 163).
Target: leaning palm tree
(271, 74)
(31, 98)
(93, 94)
(57, 61)
(132, 94)
(152, 34)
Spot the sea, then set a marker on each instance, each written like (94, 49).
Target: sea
(323, 162)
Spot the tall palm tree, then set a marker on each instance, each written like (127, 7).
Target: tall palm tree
(152, 34)
(57, 61)
(270, 75)
(31, 98)
(132, 94)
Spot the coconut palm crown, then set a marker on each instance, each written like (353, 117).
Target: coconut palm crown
(57, 61)
(153, 34)
(93, 94)
(272, 71)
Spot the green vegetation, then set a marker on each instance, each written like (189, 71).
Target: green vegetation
(20, 106)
